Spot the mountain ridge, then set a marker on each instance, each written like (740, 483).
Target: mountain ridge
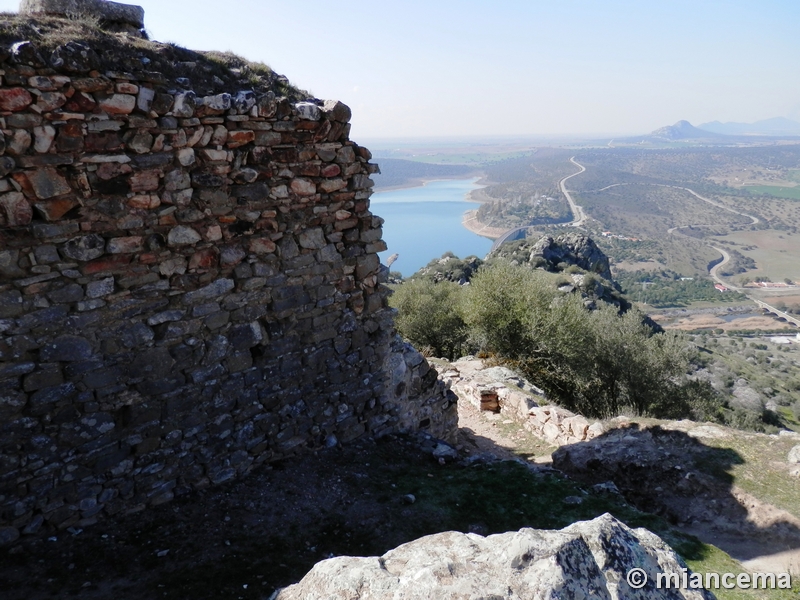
(776, 126)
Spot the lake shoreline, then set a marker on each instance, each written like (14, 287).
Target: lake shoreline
(423, 222)
(423, 181)
(469, 219)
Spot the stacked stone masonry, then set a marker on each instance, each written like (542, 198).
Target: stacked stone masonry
(499, 390)
(189, 286)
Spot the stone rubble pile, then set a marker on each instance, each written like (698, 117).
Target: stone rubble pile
(189, 286)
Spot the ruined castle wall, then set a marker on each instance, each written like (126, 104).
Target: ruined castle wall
(189, 286)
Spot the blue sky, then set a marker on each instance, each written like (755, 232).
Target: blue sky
(511, 67)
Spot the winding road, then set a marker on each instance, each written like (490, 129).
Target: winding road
(577, 212)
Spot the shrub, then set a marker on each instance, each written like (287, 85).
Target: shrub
(594, 362)
(430, 316)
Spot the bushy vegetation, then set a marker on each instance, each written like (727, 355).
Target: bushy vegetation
(430, 315)
(450, 268)
(596, 362)
(739, 263)
(521, 204)
(665, 289)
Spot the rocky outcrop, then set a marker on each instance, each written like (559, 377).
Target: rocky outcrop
(588, 559)
(416, 397)
(574, 249)
(113, 13)
(661, 471)
(554, 253)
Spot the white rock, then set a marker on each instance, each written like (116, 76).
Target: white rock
(585, 560)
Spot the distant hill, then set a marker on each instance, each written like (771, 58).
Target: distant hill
(778, 126)
(396, 172)
(719, 134)
(683, 130)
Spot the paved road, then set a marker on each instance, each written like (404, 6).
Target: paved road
(713, 271)
(755, 220)
(761, 304)
(577, 211)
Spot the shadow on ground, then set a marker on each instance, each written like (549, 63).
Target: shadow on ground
(246, 538)
(674, 475)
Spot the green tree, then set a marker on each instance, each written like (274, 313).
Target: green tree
(595, 362)
(430, 316)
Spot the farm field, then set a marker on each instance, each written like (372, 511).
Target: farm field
(792, 193)
(777, 253)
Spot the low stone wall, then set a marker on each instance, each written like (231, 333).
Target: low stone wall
(189, 286)
(497, 389)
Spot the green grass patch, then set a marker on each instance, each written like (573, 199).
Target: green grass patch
(792, 193)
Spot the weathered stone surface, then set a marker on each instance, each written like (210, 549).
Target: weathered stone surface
(43, 138)
(212, 290)
(98, 289)
(586, 560)
(125, 245)
(240, 137)
(180, 222)
(74, 57)
(68, 348)
(183, 236)
(108, 11)
(52, 210)
(219, 102)
(184, 105)
(19, 142)
(261, 246)
(50, 101)
(118, 104)
(47, 183)
(8, 535)
(15, 99)
(308, 111)
(572, 248)
(337, 111)
(16, 209)
(794, 455)
(84, 248)
(303, 187)
(312, 238)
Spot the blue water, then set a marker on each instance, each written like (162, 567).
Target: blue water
(422, 223)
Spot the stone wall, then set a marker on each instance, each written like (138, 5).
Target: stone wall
(500, 390)
(189, 286)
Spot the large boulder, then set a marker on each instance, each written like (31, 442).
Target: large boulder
(110, 12)
(589, 559)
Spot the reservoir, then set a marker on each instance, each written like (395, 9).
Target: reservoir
(422, 223)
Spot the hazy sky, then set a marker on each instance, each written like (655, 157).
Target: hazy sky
(511, 67)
